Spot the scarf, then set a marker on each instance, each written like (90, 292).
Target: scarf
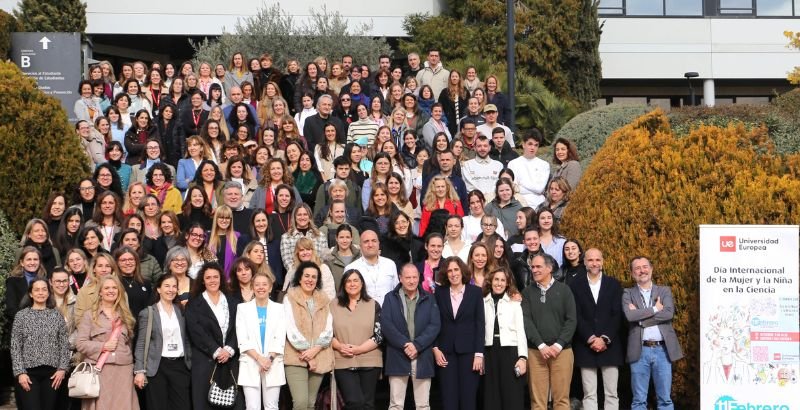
(160, 193)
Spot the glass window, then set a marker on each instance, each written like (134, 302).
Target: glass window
(774, 7)
(684, 7)
(611, 7)
(736, 6)
(645, 8)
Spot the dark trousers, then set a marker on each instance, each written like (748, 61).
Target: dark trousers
(169, 388)
(42, 395)
(458, 382)
(357, 386)
(502, 389)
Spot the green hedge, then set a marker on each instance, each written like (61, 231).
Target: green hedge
(590, 129)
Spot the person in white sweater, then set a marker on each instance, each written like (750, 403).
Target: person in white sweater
(531, 173)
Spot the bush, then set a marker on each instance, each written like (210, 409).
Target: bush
(8, 248)
(648, 189)
(590, 129)
(39, 149)
(779, 118)
(8, 25)
(275, 31)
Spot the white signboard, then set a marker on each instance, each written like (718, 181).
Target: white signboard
(749, 317)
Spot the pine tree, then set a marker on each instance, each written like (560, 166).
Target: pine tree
(67, 16)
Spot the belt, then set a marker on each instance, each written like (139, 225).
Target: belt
(172, 358)
(652, 343)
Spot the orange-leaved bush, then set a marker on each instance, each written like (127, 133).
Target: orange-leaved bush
(39, 149)
(647, 191)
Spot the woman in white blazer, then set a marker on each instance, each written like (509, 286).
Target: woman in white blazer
(261, 331)
(505, 360)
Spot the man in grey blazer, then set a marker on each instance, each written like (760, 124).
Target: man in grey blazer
(652, 342)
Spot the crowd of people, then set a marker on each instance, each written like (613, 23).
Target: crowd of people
(247, 228)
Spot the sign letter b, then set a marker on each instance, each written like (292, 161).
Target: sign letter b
(25, 62)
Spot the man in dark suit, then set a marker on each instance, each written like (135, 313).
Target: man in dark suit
(598, 342)
(652, 342)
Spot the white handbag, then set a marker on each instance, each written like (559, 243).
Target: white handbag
(84, 382)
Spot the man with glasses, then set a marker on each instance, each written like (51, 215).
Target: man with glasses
(92, 143)
(548, 311)
(481, 172)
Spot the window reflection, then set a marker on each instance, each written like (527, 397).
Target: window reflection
(774, 7)
(684, 8)
(645, 8)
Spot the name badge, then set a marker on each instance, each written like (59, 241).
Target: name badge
(172, 347)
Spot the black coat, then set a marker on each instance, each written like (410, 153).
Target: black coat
(314, 130)
(505, 155)
(401, 250)
(601, 318)
(449, 108)
(189, 126)
(206, 337)
(134, 148)
(173, 138)
(463, 333)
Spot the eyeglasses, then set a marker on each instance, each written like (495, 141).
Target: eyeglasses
(61, 282)
(86, 188)
(126, 260)
(197, 235)
(488, 225)
(180, 260)
(224, 218)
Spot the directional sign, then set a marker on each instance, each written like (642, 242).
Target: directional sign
(54, 61)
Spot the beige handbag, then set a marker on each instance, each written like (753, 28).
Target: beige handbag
(84, 383)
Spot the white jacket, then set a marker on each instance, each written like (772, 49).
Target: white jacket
(512, 327)
(248, 332)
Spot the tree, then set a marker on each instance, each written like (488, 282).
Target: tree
(39, 149)
(794, 42)
(67, 16)
(556, 41)
(649, 187)
(272, 29)
(8, 25)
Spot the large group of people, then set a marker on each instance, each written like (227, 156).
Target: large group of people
(246, 229)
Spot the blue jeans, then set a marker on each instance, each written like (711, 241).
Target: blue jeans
(653, 362)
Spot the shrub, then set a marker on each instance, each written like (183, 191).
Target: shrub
(780, 119)
(39, 149)
(590, 129)
(648, 189)
(275, 31)
(8, 248)
(8, 25)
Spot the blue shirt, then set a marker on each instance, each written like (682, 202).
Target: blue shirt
(262, 322)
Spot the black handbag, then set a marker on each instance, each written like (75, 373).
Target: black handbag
(219, 397)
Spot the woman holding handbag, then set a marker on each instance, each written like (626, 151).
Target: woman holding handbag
(261, 332)
(211, 323)
(163, 353)
(105, 334)
(39, 348)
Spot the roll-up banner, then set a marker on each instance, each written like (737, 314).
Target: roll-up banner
(749, 317)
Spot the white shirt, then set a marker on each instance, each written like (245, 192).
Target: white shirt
(481, 174)
(172, 340)
(650, 332)
(531, 175)
(463, 254)
(472, 228)
(595, 287)
(220, 312)
(381, 278)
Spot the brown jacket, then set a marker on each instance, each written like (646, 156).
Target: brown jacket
(309, 326)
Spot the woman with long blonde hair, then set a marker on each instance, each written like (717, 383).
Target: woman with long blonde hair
(440, 195)
(270, 92)
(224, 240)
(105, 338)
(102, 265)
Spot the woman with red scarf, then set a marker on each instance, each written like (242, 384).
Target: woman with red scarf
(159, 183)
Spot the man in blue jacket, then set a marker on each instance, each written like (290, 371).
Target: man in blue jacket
(410, 323)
